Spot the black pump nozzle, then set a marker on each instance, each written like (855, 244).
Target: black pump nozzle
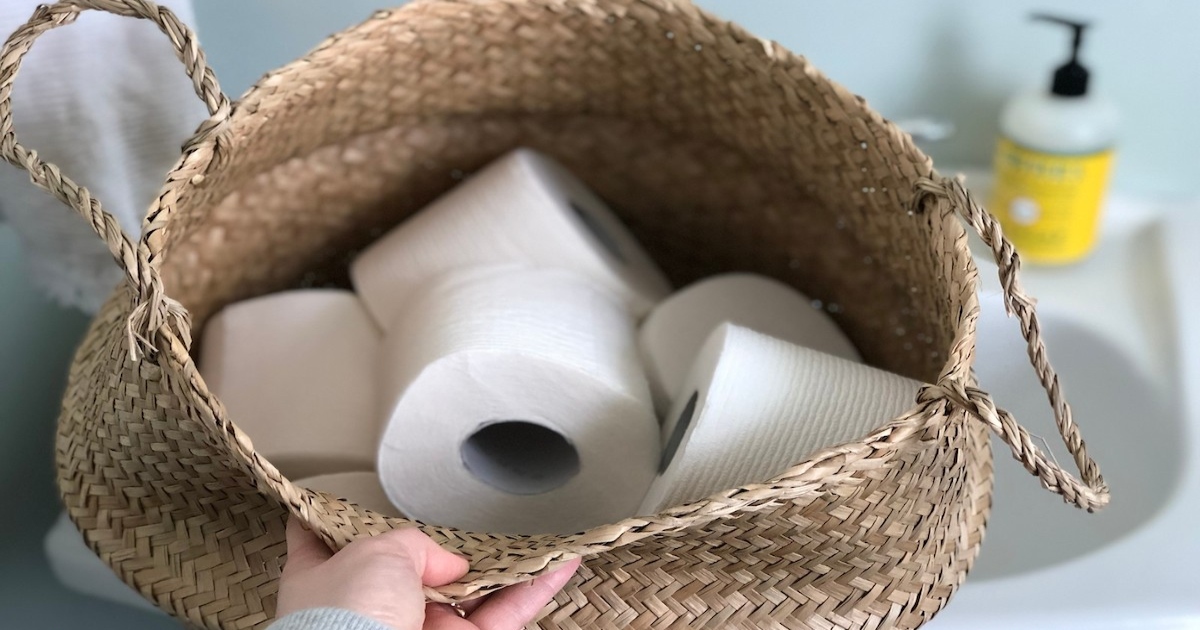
(1071, 78)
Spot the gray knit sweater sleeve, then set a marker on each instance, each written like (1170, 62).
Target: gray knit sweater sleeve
(326, 619)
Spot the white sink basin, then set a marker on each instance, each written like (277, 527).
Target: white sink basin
(1111, 326)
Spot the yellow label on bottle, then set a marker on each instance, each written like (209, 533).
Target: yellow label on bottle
(1049, 204)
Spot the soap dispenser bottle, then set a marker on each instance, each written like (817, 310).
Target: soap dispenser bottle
(1053, 161)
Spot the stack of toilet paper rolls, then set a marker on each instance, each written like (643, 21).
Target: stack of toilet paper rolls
(512, 394)
(751, 405)
(750, 376)
(491, 373)
(670, 338)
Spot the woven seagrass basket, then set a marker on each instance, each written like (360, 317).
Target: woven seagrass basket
(720, 150)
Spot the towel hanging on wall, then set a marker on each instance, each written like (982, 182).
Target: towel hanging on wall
(112, 121)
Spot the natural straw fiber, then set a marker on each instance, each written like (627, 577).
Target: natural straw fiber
(720, 150)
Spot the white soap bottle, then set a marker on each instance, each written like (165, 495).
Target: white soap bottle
(1053, 162)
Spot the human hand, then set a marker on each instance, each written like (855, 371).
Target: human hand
(382, 578)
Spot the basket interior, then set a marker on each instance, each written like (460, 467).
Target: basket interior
(719, 152)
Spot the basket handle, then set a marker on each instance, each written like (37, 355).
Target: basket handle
(1088, 491)
(152, 311)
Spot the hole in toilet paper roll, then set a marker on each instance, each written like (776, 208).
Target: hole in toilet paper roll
(681, 427)
(601, 235)
(520, 457)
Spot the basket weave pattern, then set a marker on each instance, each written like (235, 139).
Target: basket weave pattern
(720, 151)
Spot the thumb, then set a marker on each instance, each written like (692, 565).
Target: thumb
(304, 549)
(435, 565)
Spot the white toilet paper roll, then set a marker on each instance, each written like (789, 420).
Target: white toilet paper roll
(672, 334)
(752, 405)
(297, 372)
(518, 405)
(362, 488)
(523, 208)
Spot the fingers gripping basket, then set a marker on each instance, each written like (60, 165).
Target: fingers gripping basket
(720, 150)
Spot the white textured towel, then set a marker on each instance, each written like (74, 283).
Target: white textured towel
(107, 101)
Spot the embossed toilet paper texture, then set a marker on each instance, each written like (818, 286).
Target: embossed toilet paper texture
(543, 347)
(763, 404)
(673, 332)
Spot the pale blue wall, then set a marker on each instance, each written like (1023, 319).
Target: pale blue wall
(950, 58)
